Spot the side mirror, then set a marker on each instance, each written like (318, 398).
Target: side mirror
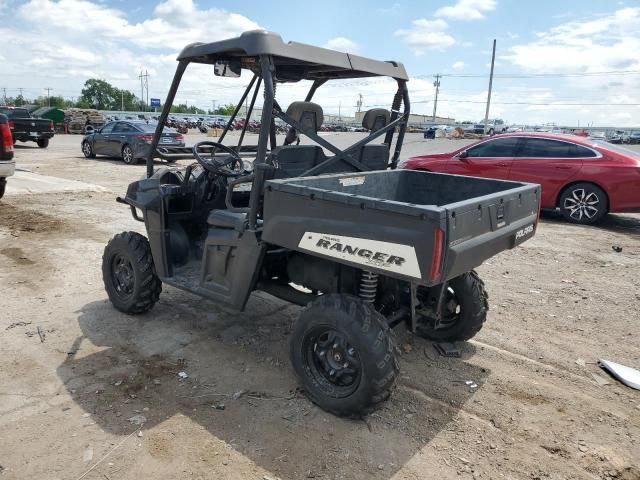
(227, 68)
(463, 154)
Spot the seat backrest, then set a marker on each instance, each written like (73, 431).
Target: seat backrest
(309, 114)
(375, 119)
(294, 160)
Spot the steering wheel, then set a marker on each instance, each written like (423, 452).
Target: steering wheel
(231, 166)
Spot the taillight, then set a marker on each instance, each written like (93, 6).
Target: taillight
(436, 258)
(51, 125)
(6, 138)
(179, 138)
(145, 138)
(11, 124)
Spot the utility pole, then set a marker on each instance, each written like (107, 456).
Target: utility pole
(214, 106)
(359, 103)
(122, 100)
(48, 89)
(486, 113)
(436, 84)
(4, 94)
(144, 85)
(340, 111)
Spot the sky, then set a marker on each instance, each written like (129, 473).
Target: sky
(567, 62)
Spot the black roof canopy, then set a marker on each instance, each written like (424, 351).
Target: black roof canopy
(293, 61)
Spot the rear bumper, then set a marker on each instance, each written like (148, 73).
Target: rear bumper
(32, 136)
(7, 168)
(142, 150)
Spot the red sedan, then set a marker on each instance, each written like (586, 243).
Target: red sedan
(584, 179)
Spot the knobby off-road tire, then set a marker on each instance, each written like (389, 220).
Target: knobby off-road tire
(464, 310)
(129, 274)
(344, 355)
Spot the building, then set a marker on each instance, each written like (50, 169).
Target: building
(417, 120)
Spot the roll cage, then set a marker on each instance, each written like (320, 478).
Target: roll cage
(273, 61)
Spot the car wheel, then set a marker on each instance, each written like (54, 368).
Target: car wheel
(490, 132)
(127, 155)
(3, 186)
(87, 150)
(583, 203)
(43, 142)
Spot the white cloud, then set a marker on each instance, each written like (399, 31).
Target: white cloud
(426, 35)
(458, 65)
(342, 44)
(467, 9)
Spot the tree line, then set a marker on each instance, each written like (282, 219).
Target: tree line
(101, 95)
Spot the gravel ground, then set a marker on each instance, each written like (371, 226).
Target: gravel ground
(76, 375)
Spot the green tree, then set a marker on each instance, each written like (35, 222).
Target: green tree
(99, 94)
(226, 109)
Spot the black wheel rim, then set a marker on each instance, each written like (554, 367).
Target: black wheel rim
(332, 361)
(450, 310)
(122, 276)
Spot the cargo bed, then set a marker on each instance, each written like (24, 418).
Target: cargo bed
(420, 226)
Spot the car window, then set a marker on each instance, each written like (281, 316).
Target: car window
(500, 147)
(546, 148)
(107, 128)
(123, 127)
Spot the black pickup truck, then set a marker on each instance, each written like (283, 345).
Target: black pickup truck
(26, 128)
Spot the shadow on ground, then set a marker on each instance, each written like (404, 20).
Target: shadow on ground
(243, 391)
(613, 222)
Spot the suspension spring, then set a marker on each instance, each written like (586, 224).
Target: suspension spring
(368, 286)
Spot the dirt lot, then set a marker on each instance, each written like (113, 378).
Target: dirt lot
(75, 373)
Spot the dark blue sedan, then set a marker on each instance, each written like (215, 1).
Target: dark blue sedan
(130, 140)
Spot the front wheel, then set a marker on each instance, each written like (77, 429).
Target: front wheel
(3, 186)
(127, 155)
(129, 274)
(463, 309)
(583, 203)
(87, 150)
(344, 355)
(43, 142)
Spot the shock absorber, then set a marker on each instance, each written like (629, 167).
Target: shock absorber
(368, 286)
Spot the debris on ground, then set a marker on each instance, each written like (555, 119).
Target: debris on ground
(87, 456)
(183, 375)
(627, 375)
(41, 334)
(580, 362)
(600, 380)
(448, 349)
(138, 419)
(616, 248)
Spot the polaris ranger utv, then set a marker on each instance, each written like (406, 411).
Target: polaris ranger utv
(363, 246)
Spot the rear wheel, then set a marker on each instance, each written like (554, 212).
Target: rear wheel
(43, 142)
(343, 353)
(463, 310)
(583, 203)
(129, 274)
(87, 150)
(127, 155)
(3, 186)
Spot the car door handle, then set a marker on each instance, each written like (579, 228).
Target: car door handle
(502, 164)
(123, 136)
(562, 167)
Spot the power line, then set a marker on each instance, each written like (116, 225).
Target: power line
(535, 103)
(538, 75)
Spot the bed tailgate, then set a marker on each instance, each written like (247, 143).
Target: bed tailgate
(479, 228)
